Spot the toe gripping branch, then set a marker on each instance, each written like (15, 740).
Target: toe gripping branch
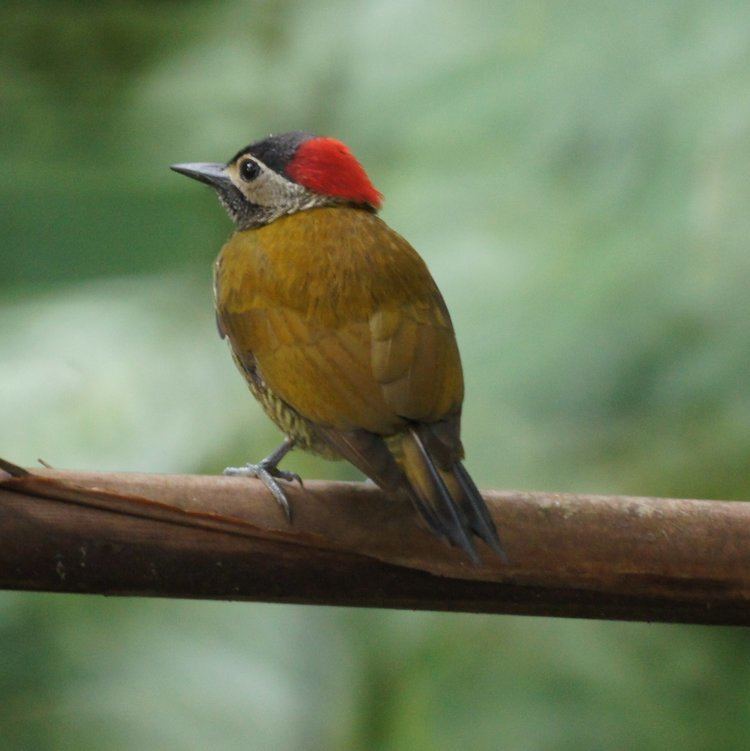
(268, 472)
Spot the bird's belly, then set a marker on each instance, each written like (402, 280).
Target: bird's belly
(286, 418)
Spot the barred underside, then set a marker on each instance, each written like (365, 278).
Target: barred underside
(285, 417)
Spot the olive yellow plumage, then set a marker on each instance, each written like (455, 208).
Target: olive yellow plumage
(342, 319)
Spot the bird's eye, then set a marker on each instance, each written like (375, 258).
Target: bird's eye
(249, 170)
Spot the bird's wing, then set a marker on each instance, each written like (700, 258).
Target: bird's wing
(400, 364)
(364, 343)
(415, 360)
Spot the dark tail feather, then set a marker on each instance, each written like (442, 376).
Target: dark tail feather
(437, 527)
(473, 504)
(448, 499)
(434, 499)
(441, 491)
(369, 452)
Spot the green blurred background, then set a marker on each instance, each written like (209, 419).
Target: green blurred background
(576, 176)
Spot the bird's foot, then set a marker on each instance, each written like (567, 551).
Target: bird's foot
(268, 473)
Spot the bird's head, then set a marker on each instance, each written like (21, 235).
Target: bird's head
(283, 174)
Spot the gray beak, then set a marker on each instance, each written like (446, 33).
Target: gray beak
(211, 173)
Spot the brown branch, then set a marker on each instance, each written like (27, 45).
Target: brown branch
(650, 559)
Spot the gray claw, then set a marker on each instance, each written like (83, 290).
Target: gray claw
(282, 474)
(267, 474)
(270, 482)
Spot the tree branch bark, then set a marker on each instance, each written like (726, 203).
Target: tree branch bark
(614, 557)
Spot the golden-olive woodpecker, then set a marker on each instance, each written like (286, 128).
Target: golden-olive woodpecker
(339, 329)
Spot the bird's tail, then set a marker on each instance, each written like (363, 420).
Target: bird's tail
(447, 497)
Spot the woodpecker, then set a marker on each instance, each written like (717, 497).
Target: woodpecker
(340, 330)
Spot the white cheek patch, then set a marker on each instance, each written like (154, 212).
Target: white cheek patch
(270, 189)
(270, 196)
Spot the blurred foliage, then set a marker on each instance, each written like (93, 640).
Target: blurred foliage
(576, 176)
